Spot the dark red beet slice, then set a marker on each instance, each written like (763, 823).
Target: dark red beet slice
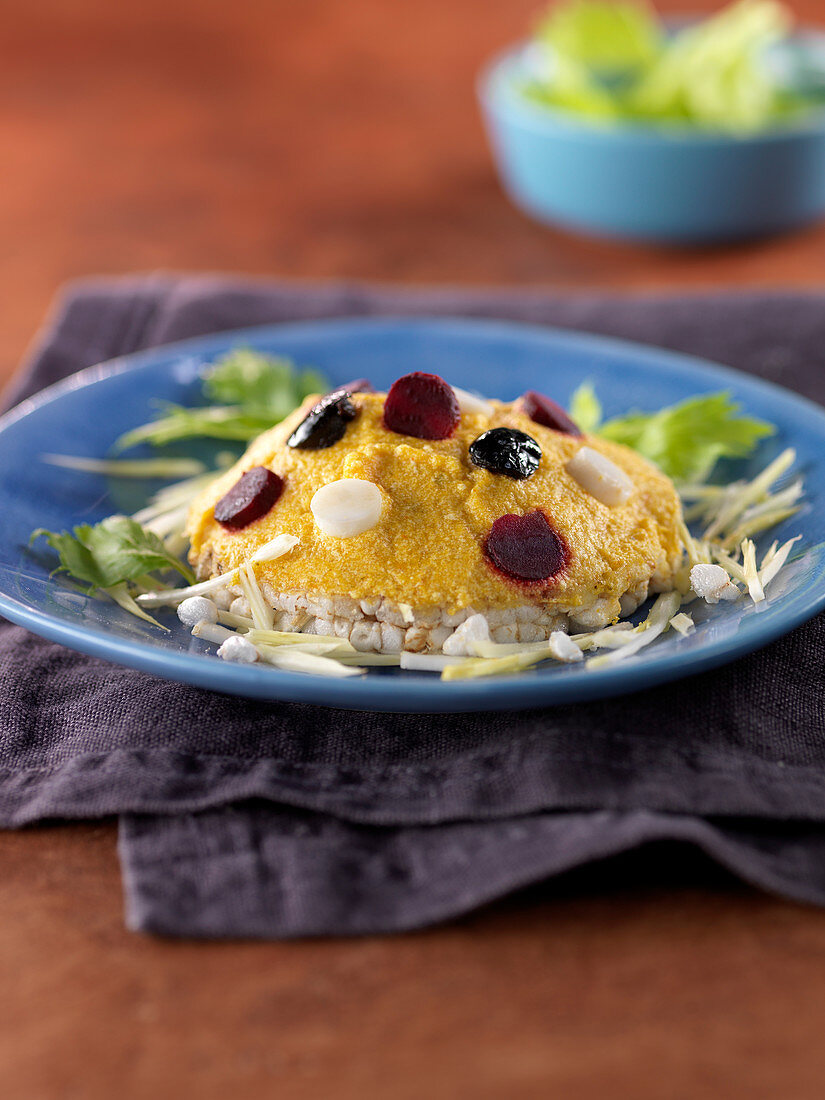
(251, 497)
(543, 410)
(526, 547)
(357, 385)
(421, 405)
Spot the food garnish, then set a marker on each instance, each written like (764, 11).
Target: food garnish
(684, 440)
(114, 550)
(250, 392)
(197, 609)
(263, 616)
(357, 385)
(421, 405)
(600, 477)
(251, 497)
(526, 547)
(683, 624)
(112, 554)
(472, 403)
(712, 583)
(238, 650)
(139, 468)
(461, 642)
(347, 507)
(506, 451)
(325, 423)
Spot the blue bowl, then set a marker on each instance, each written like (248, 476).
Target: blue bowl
(647, 183)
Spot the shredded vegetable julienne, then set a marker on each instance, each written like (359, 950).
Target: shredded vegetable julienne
(263, 615)
(743, 496)
(664, 609)
(291, 661)
(682, 623)
(734, 514)
(137, 468)
(171, 597)
(775, 559)
(627, 642)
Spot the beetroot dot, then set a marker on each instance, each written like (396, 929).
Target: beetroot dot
(543, 410)
(527, 547)
(251, 497)
(421, 405)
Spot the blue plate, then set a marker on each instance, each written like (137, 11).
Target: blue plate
(85, 414)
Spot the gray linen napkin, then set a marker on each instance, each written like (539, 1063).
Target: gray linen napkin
(379, 822)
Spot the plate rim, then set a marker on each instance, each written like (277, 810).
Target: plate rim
(418, 694)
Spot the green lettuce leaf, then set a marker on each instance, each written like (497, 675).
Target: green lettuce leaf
(713, 73)
(615, 61)
(574, 89)
(115, 550)
(602, 35)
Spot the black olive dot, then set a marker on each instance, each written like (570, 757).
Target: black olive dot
(325, 423)
(506, 451)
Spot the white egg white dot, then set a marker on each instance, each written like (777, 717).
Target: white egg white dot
(347, 507)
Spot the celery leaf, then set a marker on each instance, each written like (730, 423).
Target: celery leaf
(585, 408)
(687, 439)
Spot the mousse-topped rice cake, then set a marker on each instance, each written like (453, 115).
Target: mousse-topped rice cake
(416, 510)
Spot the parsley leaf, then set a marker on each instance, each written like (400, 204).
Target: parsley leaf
(252, 391)
(261, 383)
(115, 550)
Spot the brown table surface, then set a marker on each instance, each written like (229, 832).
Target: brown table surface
(322, 138)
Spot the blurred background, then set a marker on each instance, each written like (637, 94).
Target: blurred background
(342, 139)
(298, 138)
